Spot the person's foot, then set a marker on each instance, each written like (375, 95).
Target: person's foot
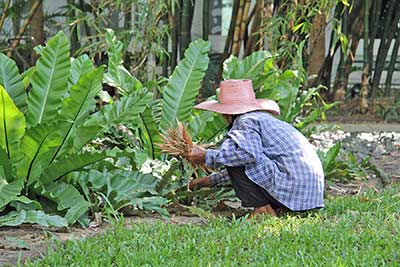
(267, 209)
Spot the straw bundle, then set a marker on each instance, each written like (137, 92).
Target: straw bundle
(177, 142)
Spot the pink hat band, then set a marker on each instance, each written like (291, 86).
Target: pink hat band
(238, 97)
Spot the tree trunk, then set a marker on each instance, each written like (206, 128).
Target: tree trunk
(385, 44)
(317, 44)
(24, 27)
(36, 29)
(392, 64)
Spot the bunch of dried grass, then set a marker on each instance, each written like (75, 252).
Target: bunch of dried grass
(177, 142)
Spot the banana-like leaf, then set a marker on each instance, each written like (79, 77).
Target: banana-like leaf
(127, 108)
(68, 198)
(151, 136)
(81, 101)
(114, 53)
(182, 88)
(16, 218)
(206, 125)
(50, 81)
(27, 76)
(5, 166)
(79, 67)
(122, 188)
(74, 162)
(75, 109)
(167, 177)
(249, 68)
(11, 80)
(9, 191)
(39, 145)
(12, 125)
(117, 76)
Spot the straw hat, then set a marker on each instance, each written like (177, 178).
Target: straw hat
(237, 97)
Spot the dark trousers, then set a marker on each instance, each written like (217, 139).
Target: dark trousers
(251, 194)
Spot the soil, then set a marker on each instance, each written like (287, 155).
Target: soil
(27, 242)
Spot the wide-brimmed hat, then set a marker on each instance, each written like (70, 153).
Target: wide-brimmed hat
(237, 97)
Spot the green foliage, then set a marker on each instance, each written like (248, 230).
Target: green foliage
(10, 79)
(350, 231)
(343, 166)
(301, 108)
(183, 86)
(39, 148)
(49, 82)
(118, 189)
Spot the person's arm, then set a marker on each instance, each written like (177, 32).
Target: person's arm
(219, 177)
(242, 147)
(211, 180)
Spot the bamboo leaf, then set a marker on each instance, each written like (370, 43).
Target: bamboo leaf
(11, 80)
(183, 86)
(12, 124)
(49, 82)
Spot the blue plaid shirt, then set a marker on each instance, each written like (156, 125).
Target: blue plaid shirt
(276, 157)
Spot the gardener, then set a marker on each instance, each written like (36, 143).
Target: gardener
(271, 166)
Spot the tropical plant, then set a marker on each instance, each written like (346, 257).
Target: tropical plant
(341, 166)
(43, 134)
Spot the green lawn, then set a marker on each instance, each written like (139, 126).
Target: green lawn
(353, 231)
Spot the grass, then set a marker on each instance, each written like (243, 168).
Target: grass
(351, 231)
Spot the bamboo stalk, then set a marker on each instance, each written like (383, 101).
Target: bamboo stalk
(376, 12)
(22, 30)
(243, 24)
(4, 14)
(254, 27)
(229, 38)
(364, 77)
(206, 19)
(236, 35)
(385, 44)
(185, 28)
(339, 89)
(392, 64)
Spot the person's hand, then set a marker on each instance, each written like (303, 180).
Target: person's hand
(197, 155)
(200, 182)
